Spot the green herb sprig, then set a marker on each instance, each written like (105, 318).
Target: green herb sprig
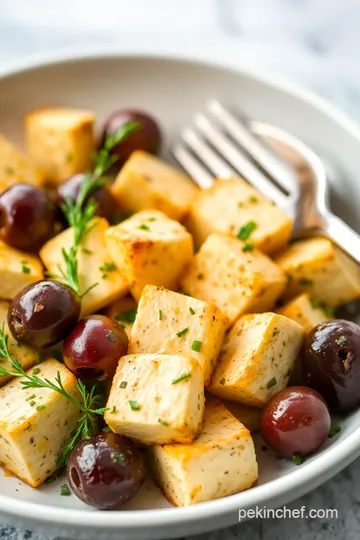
(80, 213)
(90, 404)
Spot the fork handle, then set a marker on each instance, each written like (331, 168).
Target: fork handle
(345, 237)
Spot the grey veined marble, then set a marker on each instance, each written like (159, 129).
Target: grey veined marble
(316, 42)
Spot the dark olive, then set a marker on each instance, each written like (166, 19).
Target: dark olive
(146, 137)
(103, 197)
(93, 348)
(105, 471)
(27, 217)
(43, 313)
(331, 363)
(296, 420)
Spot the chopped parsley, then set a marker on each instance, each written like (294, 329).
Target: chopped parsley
(342, 340)
(127, 316)
(111, 336)
(40, 407)
(196, 345)
(30, 397)
(107, 267)
(65, 490)
(119, 459)
(249, 246)
(222, 381)
(305, 281)
(144, 227)
(50, 479)
(160, 315)
(123, 384)
(32, 403)
(335, 428)
(272, 382)
(113, 409)
(25, 268)
(183, 377)
(163, 422)
(246, 230)
(134, 405)
(182, 332)
(35, 371)
(297, 459)
(192, 311)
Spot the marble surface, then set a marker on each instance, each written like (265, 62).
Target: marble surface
(315, 42)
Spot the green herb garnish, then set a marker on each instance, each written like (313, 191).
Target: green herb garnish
(196, 345)
(192, 311)
(134, 405)
(297, 459)
(65, 490)
(249, 246)
(305, 281)
(127, 316)
(246, 230)
(123, 384)
(182, 332)
(272, 382)
(119, 459)
(108, 267)
(160, 315)
(163, 422)
(25, 268)
(111, 336)
(41, 407)
(342, 340)
(144, 227)
(222, 382)
(335, 428)
(181, 378)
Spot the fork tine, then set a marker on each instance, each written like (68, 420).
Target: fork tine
(258, 150)
(192, 166)
(213, 161)
(239, 161)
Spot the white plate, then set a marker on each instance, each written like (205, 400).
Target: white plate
(173, 89)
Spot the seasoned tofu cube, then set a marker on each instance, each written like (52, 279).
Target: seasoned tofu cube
(124, 312)
(94, 266)
(156, 398)
(172, 323)
(233, 207)
(322, 270)
(257, 358)
(27, 356)
(152, 248)
(238, 280)
(60, 141)
(305, 311)
(35, 424)
(247, 415)
(219, 462)
(146, 182)
(16, 167)
(18, 270)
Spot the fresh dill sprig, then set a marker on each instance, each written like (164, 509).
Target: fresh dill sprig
(80, 213)
(90, 404)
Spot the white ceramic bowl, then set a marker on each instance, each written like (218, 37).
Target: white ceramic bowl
(173, 89)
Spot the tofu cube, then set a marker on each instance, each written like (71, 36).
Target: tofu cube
(18, 270)
(124, 312)
(257, 358)
(146, 182)
(36, 423)
(60, 141)
(156, 398)
(322, 270)
(233, 207)
(221, 461)
(16, 167)
(247, 415)
(152, 248)
(172, 323)
(237, 281)
(305, 311)
(94, 266)
(27, 356)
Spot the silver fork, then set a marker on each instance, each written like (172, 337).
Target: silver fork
(222, 145)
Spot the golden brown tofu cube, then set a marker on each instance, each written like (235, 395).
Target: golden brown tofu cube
(172, 323)
(233, 207)
(237, 280)
(16, 167)
(17, 269)
(257, 358)
(152, 248)
(322, 270)
(219, 462)
(146, 182)
(157, 398)
(305, 311)
(60, 141)
(95, 266)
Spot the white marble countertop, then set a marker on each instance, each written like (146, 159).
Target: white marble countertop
(315, 42)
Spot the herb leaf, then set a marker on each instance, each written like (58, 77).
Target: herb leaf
(183, 377)
(246, 230)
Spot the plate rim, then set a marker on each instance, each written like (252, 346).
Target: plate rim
(295, 483)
